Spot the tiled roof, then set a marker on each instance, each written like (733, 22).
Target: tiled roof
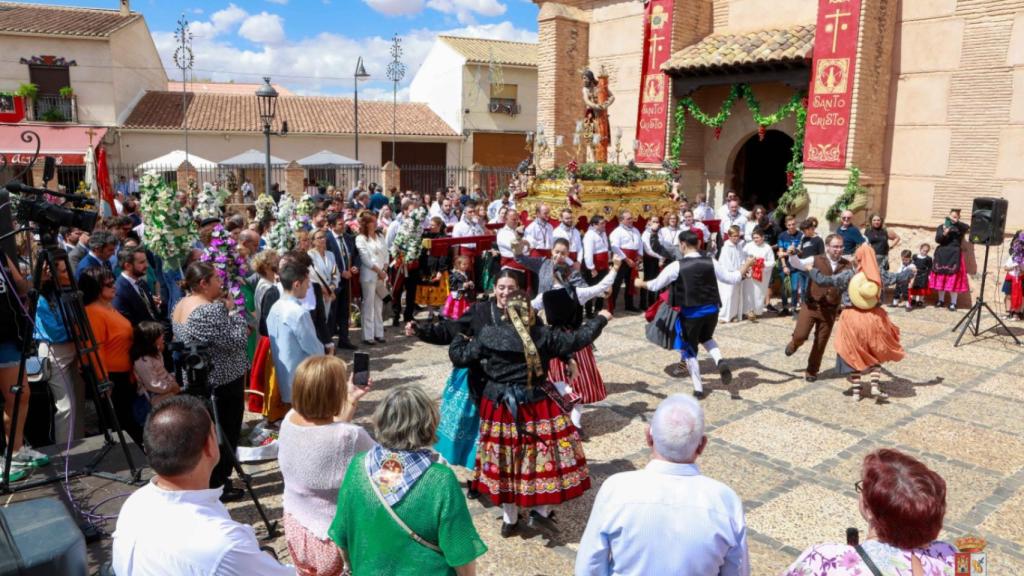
(225, 88)
(305, 115)
(725, 51)
(484, 51)
(62, 20)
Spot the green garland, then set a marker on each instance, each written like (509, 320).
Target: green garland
(850, 193)
(796, 105)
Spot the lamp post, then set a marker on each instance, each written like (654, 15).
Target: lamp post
(361, 75)
(266, 97)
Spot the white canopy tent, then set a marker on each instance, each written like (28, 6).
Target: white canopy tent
(252, 158)
(328, 158)
(173, 160)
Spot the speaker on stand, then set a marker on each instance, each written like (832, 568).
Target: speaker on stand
(988, 224)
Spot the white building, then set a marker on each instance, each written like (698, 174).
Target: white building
(497, 103)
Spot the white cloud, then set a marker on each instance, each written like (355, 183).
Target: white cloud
(281, 2)
(396, 7)
(221, 22)
(465, 10)
(263, 28)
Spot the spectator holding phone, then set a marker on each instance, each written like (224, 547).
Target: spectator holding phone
(400, 511)
(316, 444)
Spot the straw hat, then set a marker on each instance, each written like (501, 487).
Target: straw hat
(863, 292)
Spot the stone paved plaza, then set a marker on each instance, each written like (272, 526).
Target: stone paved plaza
(791, 449)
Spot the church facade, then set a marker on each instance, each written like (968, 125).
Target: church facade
(924, 99)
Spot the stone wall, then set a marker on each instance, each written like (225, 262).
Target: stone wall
(563, 36)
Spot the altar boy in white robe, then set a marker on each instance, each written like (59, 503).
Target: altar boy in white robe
(731, 259)
(755, 286)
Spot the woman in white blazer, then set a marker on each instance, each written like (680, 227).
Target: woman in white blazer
(373, 271)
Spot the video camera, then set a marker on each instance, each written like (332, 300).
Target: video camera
(34, 207)
(193, 359)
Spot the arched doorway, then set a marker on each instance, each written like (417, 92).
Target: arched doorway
(759, 171)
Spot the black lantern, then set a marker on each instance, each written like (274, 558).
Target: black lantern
(267, 98)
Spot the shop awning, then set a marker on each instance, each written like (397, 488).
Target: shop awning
(67, 144)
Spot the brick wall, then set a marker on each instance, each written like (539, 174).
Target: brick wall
(563, 39)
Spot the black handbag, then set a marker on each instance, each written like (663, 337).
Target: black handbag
(662, 330)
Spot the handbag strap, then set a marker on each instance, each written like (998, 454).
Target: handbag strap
(394, 516)
(863, 556)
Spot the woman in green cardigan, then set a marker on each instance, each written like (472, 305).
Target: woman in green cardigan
(400, 511)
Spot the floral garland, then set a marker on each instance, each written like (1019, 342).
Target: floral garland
(170, 232)
(281, 237)
(231, 267)
(797, 105)
(211, 201)
(850, 192)
(266, 208)
(409, 238)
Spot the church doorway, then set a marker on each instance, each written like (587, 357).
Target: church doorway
(759, 171)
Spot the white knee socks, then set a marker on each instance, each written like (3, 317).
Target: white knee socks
(509, 513)
(942, 296)
(544, 510)
(694, 368)
(576, 416)
(712, 347)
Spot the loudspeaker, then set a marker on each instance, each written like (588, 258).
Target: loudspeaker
(988, 221)
(49, 168)
(38, 537)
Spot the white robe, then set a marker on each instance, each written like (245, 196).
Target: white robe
(730, 260)
(754, 292)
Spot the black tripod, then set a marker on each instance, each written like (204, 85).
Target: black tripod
(72, 314)
(197, 368)
(972, 319)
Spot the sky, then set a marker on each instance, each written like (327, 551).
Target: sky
(311, 46)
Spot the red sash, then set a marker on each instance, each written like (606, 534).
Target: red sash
(1016, 292)
(572, 256)
(601, 261)
(633, 255)
(540, 253)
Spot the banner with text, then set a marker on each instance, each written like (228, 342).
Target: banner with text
(652, 114)
(831, 98)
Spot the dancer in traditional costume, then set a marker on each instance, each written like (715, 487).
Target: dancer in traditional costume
(865, 337)
(949, 271)
(432, 290)
(1013, 288)
(695, 279)
(461, 289)
(530, 454)
(919, 289)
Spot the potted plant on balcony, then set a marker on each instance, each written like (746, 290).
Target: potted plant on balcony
(28, 91)
(67, 92)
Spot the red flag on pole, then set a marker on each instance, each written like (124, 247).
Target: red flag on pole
(103, 180)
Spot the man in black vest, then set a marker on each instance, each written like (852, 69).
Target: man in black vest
(694, 282)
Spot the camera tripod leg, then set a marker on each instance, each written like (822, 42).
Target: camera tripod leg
(967, 322)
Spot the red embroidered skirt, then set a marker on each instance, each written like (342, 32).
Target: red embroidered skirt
(522, 470)
(587, 382)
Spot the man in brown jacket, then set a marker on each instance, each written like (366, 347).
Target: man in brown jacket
(821, 304)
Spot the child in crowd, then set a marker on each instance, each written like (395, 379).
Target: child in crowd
(460, 290)
(919, 289)
(730, 259)
(755, 287)
(1012, 285)
(903, 287)
(147, 351)
(791, 237)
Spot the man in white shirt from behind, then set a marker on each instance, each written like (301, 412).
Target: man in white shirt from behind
(666, 518)
(175, 524)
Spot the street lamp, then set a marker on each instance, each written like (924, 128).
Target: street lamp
(361, 75)
(266, 97)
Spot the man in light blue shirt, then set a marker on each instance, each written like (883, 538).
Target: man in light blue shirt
(666, 518)
(290, 327)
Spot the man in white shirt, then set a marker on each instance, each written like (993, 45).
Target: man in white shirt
(507, 241)
(540, 234)
(691, 223)
(175, 524)
(566, 229)
(595, 259)
(447, 215)
(701, 210)
(625, 243)
(247, 190)
(468, 226)
(726, 208)
(494, 207)
(667, 518)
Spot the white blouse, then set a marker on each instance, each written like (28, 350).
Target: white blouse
(373, 253)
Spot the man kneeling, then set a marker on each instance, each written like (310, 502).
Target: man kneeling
(176, 524)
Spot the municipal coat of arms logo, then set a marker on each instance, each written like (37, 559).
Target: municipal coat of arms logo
(970, 558)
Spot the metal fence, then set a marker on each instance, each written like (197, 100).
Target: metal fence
(493, 180)
(124, 174)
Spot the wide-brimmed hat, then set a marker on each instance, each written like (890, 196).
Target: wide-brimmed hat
(863, 292)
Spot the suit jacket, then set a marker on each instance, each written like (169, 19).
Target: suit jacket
(353, 254)
(89, 261)
(130, 304)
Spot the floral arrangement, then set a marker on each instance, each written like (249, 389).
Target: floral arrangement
(170, 231)
(231, 267)
(211, 201)
(1017, 248)
(304, 208)
(266, 208)
(409, 238)
(281, 236)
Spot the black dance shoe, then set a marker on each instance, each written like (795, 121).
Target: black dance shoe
(231, 493)
(537, 520)
(700, 394)
(471, 493)
(509, 529)
(725, 372)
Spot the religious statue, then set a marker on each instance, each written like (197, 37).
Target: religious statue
(598, 98)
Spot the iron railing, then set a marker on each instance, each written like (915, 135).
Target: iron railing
(54, 109)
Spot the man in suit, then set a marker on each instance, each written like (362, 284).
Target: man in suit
(132, 297)
(343, 245)
(102, 245)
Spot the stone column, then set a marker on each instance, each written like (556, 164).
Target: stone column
(475, 178)
(186, 172)
(391, 176)
(564, 40)
(293, 176)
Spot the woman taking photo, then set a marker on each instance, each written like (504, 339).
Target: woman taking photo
(316, 444)
(113, 333)
(400, 511)
(372, 277)
(204, 318)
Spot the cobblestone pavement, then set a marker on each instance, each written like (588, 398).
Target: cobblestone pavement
(791, 449)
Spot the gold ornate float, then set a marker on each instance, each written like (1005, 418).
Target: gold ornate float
(644, 198)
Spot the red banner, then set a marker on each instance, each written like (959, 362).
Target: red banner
(652, 114)
(831, 98)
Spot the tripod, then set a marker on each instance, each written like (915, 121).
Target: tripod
(198, 385)
(76, 324)
(972, 319)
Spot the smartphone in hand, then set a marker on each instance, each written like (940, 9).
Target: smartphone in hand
(361, 369)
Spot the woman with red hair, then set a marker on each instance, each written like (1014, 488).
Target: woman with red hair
(903, 502)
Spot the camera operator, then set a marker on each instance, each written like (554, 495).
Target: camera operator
(13, 292)
(174, 524)
(204, 319)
